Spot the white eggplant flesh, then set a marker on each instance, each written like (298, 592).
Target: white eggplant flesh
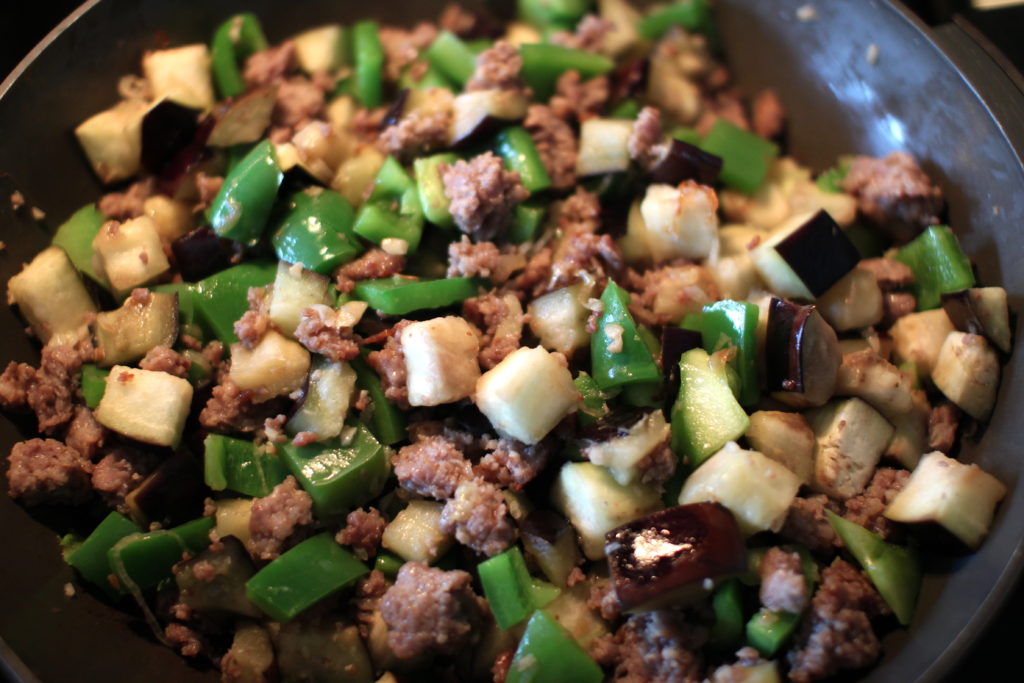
(130, 254)
(145, 405)
(440, 360)
(559, 319)
(918, 337)
(855, 301)
(604, 146)
(50, 294)
(276, 366)
(415, 533)
(851, 437)
(967, 372)
(785, 438)
(112, 140)
(126, 334)
(680, 221)
(181, 74)
(295, 289)
(869, 376)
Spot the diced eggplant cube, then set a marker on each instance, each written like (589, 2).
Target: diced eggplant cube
(166, 129)
(559, 319)
(819, 252)
(320, 49)
(981, 310)
(668, 558)
(440, 360)
(50, 294)
(785, 438)
(295, 289)
(755, 488)
(855, 301)
(867, 375)
(967, 372)
(145, 405)
(958, 496)
(851, 438)
(479, 113)
(918, 337)
(680, 221)
(326, 401)
(683, 161)
(595, 503)
(125, 335)
(801, 355)
(181, 74)
(527, 394)
(130, 254)
(626, 448)
(112, 140)
(276, 366)
(910, 438)
(604, 146)
(415, 533)
(244, 119)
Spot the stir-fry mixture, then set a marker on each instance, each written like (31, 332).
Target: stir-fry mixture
(516, 351)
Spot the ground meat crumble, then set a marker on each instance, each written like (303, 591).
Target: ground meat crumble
(556, 144)
(376, 263)
(482, 194)
(255, 322)
(47, 471)
(577, 99)
(328, 332)
(275, 518)
(363, 531)
(164, 359)
(121, 470)
(501, 319)
(894, 193)
(432, 466)
(389, 363)
(478, 516)
(497, 68)
(783, 586)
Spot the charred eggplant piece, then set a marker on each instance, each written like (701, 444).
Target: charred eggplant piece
(683, 161)
(244, 119)
(125, 335)
(480, 113)
(981, 310)
(221, 593)
(801, 354)
(186, 160)
(167, 128)
(622, 440)
(551, 540)
(667, 557)
(172, 495)
(201, 253)
(396, 110)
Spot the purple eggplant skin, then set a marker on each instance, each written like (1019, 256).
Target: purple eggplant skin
(172, 495)
(201, 253)
(683, 161)
(819, 252)
(186, 159)
(613, 425)
(783, 345)
(394, 113)
(659, 557)
(167, 128)
(961, 312)
(630, 80)
(482, 129)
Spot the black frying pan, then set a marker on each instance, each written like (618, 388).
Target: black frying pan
(936, 95)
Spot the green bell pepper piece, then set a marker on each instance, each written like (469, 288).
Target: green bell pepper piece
(242, 206)
(561, 14)
(75, 236)
(831, 179)
(745, 156)
(311, 571)
(388, 564)
(431, 78)
(433, 200)
(543, 63)
(234, 41)
(452, 57)
(94, 384)
(733, 324)
(626, 109)
(693, 15)
(548, 653)
(594, 405)
(527, 222)
(90, 558)
(939, 265)
(516, 147)
(237, 465)
(368, 81)
(768, 631)
(393, 209)
(632, 362)
(339, 476)
(220, 299)
(727, 604)
(385, 420)
(511, 592)
(146, 559)
(895, 570)
(391, 181)
(316, 231)
(399, 296)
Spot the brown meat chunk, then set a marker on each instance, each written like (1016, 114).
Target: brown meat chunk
(432, 466)
(577, 99)
(604, 600)
(15, 383)
(85, 434)
(502, 326)
(556, 144)
(51, 395)
(417, 133)
(497, 69)
(47, 471)
(890, 273)
(725, 104)
(187, 642)
(431, 611)
(482, 194)
(866, 508)
(783, 586)
(363, 531)
(807, 524)
(120, 472)
(768, 115)
(366, 601)
(255, 322)
(590, 34)
(269, 66)
(376, 263)
(164, 359)
(275, 518)
(389, 363)
(943, 421)
(402, 47)
(481, 259)
(232, 409)
(207, 186)
(658, 646)
(513, 464)
(667, 293)
(894, 193)
(646, 137)
(478, 516)
(838, 635)
(326, 331)
(298, 101)
(121, 206)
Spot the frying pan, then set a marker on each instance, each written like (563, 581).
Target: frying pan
(935, 94)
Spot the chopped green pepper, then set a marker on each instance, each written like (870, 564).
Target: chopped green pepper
(316, 231)
(94, 384)
(727, 603)
(516, 147)
(234, 41)
(142, 560)
(626, 109)
(831, 179)
(368, 80)
(594, 406)
(220, 299)
(311, 571)
(433, 200)
(238, 465)
(548, 653)
(242, 206)
(388, 564)
(529, 218)
(562, 14)
(511, 592)
(452, 57)
(385, 420)
(340, 474)
(432, 77)
(544, 63)
(895, 570)
(729, 324)
(75, 237)
(399, 296)
(768, 631)
(90, 558)
(393, 209)
(693, 15)
(619, 355)
(939, 265)
(745, 156)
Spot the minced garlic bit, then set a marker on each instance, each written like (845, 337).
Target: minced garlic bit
(394, 246)
(17, 200)
(872, 54)
(806, 13)
(38, 214)
(69, 590)
(595, 305)
(614, 332)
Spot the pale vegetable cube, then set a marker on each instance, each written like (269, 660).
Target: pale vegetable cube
(527, 394)
(680, 221)
(130, 254)
(145, 405)
(853, 302)
(755, 488)
(967, 372)
(595, 503)
(776, 272)
(295, 289)
(50, 294)
(276, 366)
(232, 517)
(440, 360)
(918, 337)
(415, 533)
(320, 49)
(786, 438)
(960, 497)
(910, 438)
(604, 146)
(559, 319)
(125, 334)
(181, 74)
(622, 453)
(867, 375)
(990, 305)
(112, 140)
(327, 399)
(173, 218)
(624, 19)
(851, 437)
